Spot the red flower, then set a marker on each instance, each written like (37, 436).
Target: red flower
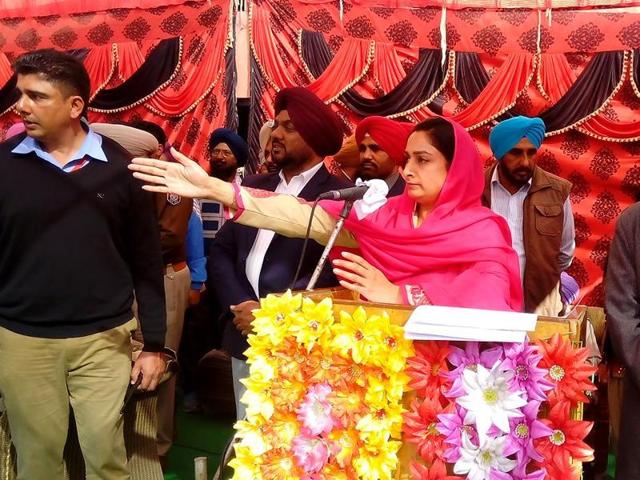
(437, 471)
(420, 427)
(565, 443)
(568, 370)
(572, 471)
(427, 366)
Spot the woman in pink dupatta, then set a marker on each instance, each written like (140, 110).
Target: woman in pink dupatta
(434, 244)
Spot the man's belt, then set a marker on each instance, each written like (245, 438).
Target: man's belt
(176, 267)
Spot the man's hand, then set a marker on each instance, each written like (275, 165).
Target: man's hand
(243, 317)
(152, 365)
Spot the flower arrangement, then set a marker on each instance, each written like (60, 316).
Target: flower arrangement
(324, 397)
(485, 422)
(325, 401)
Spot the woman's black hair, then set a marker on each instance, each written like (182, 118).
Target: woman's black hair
(441, 134)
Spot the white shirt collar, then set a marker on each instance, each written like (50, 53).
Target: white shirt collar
(304, 176)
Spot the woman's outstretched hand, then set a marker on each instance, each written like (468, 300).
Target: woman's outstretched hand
(184, 177)
(356, 274)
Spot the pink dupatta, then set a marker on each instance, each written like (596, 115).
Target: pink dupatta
(460, 256)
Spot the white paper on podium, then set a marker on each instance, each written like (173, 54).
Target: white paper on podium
(429, 322)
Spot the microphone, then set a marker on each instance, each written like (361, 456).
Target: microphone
(351, 193)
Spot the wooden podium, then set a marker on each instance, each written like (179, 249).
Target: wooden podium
(546, 327)
(346, 300)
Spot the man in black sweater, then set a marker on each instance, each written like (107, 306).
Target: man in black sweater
(77, 237)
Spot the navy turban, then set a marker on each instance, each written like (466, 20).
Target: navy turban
(235, 142)
(316, 123)
(508, 134)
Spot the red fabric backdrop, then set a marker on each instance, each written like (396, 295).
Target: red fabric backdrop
(531, 59)
(189, 107)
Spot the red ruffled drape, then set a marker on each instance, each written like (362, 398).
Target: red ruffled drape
(606, 128)
(348, 65)
(41, 8)
(500, 94)
(555, 76)
(100, 64)
(130, 59)
(201, 76)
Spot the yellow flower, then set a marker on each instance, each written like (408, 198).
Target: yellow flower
(273, 318)
(252, 437)
(297, 344)
(396, 385)
(313, 323)
(377, 463)
(285, 429)
(246, 466)
(280, 465)
(257, 398)
(357, 336)
(395, 348)
(378, 426)
(348, 442)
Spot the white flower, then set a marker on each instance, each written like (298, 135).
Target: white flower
(488, 399)
(373, 199)
(478, 462)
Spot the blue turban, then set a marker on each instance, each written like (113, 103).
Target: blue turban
(235, 142)
(508, 134)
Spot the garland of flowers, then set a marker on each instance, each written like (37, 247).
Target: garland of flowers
(325, 401)
(324, 395)
(479, 409)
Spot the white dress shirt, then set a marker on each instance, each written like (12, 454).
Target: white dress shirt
(264, 237)
(511, 207)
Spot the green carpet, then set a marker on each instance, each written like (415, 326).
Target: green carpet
(197, 436)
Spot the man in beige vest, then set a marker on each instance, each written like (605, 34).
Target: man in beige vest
(536, 205)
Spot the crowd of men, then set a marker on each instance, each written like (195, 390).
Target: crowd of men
(78, 237)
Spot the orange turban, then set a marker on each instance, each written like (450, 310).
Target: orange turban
(389, 134)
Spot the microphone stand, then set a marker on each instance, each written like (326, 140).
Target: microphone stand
(332, 239)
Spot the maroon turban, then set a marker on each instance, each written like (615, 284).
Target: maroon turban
(390, 135)
(317, 124)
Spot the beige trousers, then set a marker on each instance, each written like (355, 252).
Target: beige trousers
(176, 288)
(40, 378)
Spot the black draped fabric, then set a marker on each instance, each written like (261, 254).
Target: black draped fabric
(155, 72)
(420, 84)
(257, 117)
(589, 92)
(471, 78)
(9, 95)
(315, 52)
(417, 87)
(230, 80)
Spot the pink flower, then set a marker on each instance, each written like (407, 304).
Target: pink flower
(315, 410)
(537, 475)
(469, 358)
(523, 359)
(311, 453)
(523, 432)
(451, 426)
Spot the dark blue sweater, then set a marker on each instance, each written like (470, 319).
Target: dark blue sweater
(75, 246)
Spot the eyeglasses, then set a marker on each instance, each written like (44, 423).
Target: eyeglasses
(226, 154)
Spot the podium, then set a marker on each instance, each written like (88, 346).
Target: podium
(302, 376)
(571, 327)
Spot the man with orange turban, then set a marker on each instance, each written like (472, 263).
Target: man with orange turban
(381, 142)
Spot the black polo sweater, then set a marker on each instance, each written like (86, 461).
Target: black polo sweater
(75, 246)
